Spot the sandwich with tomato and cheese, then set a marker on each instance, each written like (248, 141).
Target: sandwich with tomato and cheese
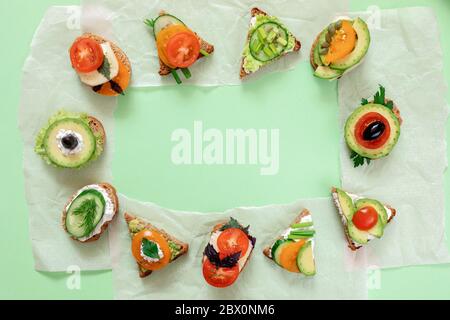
(100, 64)
(227, 253)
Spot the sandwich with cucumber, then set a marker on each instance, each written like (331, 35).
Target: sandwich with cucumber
(151, 247)
(268, 39)
(178, 46)
(227, 253)
(363, 219)
(89, 212)
(340, 47)
(100, 64)
(293, 250)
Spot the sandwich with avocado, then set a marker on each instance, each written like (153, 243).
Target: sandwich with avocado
(340, 47)
(227, 253)
(178, 46)
(152, 248)
(100, 64)
(293, 250)
(71, 140)
(364, 219)
(89, 212)
(373, 129)
(268, 39)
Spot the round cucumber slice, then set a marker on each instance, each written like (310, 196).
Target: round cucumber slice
(268, 41)
(279, 249)
(164, 21)
(76, 222)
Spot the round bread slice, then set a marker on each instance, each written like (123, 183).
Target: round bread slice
(112, 193)
(121, 82)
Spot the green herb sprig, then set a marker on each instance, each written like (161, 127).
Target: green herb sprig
(150, 249)
(105, 69)
(87, 209)
(358, 160)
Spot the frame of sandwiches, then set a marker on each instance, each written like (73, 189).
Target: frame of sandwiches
(73, 140)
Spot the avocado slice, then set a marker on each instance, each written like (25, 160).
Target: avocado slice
(350, 127)
(325, 72)
(361, 203)
(378, 229)
(359, 236)
(346, 204)
(56, 156)
(361, 48)
(305, 260)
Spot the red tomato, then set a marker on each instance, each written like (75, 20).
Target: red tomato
(232, 241)
(86, 55)
(366, 121)
(183, 49)
(365, 218)
(219, 277)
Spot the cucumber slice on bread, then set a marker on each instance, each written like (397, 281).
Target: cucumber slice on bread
(163, 21)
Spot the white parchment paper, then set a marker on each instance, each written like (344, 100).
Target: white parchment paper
(261, 278)
(49, 84)
(224, 23)
(407, 59)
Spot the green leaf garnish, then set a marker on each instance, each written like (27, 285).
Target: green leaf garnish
(87, 209)
(150, 23)
(358, 160)
(105, 69)
(233, 223)
(150, 249)
(380, 98)
(364, 101)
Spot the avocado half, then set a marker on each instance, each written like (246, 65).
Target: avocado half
(359, 144)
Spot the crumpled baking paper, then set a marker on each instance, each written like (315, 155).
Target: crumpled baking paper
(224, 23)
(49, 84)
(260, 279)
(406, 58)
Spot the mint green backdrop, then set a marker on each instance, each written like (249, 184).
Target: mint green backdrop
(145, 118)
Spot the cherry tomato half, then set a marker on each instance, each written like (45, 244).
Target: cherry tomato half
(365, 218)
(219, 277)
(183, 49)
(86, 55)
(157, 238)
(232, 241)
(364, 123)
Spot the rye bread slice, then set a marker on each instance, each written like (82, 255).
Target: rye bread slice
(298, 219)
(148, 226)
(254, 12)
(97, 127)
(351, 244)
(111, 191)
(165, 70)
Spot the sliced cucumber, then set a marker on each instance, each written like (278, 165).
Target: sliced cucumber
(305, 260)
(268, 41)
(279, 249)
(164, 21)
(75, 220)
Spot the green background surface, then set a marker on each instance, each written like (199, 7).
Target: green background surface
(145, 119)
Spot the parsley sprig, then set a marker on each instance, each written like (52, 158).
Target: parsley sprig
(87, 209)
(358, 160)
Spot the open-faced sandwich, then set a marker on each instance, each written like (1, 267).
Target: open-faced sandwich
(178, 46)
(152, 248)
(268, 39)
(71, 140)
(227, 253)
(339, 48)
(293, 250)
(373, 129)
(89, 212)
(100, 64)
(363, 219)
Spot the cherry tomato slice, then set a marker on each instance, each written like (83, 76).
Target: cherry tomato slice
(163, 38)
(183, 49)
(231, 241)
(219, 277)
(157, 238)
(86, 55)
(366, 121)
(365, 218)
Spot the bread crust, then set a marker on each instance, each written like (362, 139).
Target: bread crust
(97, 127)
(184, 246)
(112, 193)
(254, 12)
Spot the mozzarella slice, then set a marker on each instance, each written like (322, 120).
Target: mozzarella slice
(95, 78)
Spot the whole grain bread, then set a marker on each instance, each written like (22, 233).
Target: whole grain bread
(111, 191)
(298, 219)
(351, 244)
(97, 127)
(254, 12)
(148, 226)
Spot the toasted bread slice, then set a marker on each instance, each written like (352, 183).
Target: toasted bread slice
(97, 127)
(121, 82)
(165, 70)
(111, 191)
(254, 12)
(143, 224)
(351, 244)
